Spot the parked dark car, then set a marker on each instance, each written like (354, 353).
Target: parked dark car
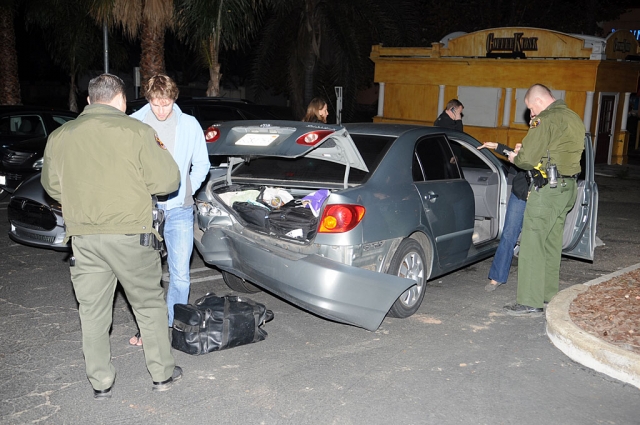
(32, 212)
(215, 110)
(20, 161)
(400, 204)
(19, 122)
(24, 158)
(35, 217)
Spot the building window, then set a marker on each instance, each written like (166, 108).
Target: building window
(480, 105)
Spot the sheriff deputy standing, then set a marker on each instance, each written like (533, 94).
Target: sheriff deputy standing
(103, 167)
(556, 135)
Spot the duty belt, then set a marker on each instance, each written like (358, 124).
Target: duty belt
(574, 176)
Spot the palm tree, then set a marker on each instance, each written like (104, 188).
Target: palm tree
(210, 25)
(309, 46)
(9, 78)
(72, 37)
(146, 19)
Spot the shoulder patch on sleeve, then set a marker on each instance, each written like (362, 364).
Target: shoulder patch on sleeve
(534, 123)
(159, 142)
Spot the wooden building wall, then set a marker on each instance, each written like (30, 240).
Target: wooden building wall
(412, 78)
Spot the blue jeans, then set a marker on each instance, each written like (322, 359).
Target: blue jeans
(512, 227)
(178, 236)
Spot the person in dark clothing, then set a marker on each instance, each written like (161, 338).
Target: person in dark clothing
(316, 111)
(451, 117)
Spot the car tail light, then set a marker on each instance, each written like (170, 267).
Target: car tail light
(313, 137)
(340, 218)
(212, 134)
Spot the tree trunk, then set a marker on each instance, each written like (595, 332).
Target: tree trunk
(9, 78)
(213, 87)
(73, 97)
(152, 52)
(312, 51)
(309, 74)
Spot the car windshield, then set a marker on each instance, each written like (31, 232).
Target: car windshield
(372, 149)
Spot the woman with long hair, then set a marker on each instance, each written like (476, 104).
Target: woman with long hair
(316, 111)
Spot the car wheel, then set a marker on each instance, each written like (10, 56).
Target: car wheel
(238, 284)
(409, 262)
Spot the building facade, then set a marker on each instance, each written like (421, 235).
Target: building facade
(489, 71)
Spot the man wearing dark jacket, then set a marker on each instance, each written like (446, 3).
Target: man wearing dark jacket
(451, 117)
(103, 167)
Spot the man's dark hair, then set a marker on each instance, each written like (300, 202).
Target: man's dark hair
(104, 87)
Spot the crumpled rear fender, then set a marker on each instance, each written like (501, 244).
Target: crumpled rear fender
(322, 286)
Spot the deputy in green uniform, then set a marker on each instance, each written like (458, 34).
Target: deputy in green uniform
(556, 135)
(103, 168)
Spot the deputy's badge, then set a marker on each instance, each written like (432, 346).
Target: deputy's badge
(159, 142)
(534, 123)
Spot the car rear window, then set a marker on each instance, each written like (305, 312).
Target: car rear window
(372, 149)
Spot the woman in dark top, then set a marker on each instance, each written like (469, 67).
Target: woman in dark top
(316, 111)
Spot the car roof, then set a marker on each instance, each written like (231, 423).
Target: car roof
(270, 111)
(27, 108)
(195, 100)
(228, 100)
(389, 129)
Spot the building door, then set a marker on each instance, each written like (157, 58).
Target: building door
(605, 128)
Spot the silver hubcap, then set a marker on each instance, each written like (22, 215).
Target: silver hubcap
(412, 268)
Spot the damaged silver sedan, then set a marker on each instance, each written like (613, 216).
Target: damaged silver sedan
(348, 222)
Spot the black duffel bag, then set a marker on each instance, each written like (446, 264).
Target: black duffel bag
(216, 323)
(294, 221)
(253, 214)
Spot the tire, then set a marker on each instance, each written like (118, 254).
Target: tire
(409, 261)
(238, 284)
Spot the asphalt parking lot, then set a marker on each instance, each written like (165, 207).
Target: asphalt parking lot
(458, 361)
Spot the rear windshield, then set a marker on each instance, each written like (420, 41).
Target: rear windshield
(372, 149)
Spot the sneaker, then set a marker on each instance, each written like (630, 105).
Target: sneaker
(102, 394)
(522, 310)
(166, 384)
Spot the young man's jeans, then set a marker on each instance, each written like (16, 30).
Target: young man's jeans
(512, 227)
(178, 236)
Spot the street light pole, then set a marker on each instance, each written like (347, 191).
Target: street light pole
(105, 36)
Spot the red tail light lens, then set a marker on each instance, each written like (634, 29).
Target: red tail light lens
(313, 137)
(340, 218)
(211, 134)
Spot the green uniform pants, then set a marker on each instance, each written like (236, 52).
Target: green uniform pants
(541, 242)
(101, 261)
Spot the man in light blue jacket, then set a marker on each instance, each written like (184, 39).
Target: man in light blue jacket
(182, 135)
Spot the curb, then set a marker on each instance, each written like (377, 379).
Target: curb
(585, 348)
